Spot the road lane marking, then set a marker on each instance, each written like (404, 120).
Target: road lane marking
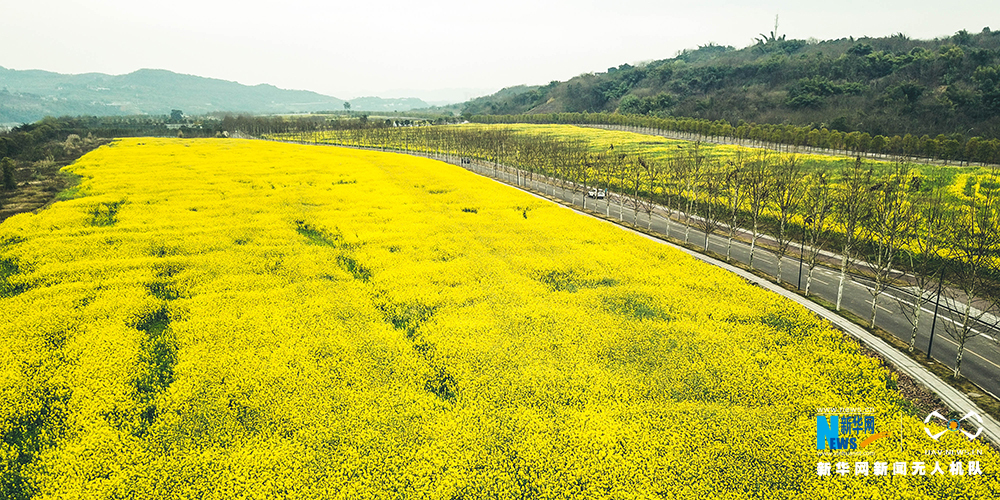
(945, 318)
(970, 351)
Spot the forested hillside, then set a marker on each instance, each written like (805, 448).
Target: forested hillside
(883, 86)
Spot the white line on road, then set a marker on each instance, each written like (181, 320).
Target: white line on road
(941, 316)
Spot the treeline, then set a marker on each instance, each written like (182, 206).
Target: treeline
(884, 214)
(36, 151)
(883, 86)
(47, 138)
(949, 148)
(256, 125)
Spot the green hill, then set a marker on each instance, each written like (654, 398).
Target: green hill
(882, 86)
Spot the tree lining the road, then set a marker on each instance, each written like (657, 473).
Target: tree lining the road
(954, 147)
(929, 237)
(976, 237)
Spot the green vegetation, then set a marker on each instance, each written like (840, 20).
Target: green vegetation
(879, 86)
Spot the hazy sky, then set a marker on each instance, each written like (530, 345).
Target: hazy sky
(397, 48)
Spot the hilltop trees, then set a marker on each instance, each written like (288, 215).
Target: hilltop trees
(7, 172)
(878, 89)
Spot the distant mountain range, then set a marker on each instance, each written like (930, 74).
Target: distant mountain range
(28, 96)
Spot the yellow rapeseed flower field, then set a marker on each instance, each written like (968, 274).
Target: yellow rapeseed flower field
(246, 319)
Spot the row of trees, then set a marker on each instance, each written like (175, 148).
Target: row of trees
(883, 214)
(954, 147)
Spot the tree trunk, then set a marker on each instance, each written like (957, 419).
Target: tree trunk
(963, 335)
(958, 358)
(874, 309)
(916, 322)
(687, 222)
(843, 276)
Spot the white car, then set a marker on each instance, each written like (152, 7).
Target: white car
(597, 193)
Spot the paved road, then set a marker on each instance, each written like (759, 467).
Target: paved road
(980, 363)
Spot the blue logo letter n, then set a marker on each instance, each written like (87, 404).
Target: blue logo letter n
(826, 430)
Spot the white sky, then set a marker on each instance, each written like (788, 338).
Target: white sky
(398, 48)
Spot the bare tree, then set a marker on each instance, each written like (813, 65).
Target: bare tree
(851, 197)
(710, 212)
(585, 168)
(677, 165)
(788, 192)
(607, 171)
(654, 171)
(817, 208)
(760, 185)
(735, 192)
(693, 172)
(639, 169)
(923, 252)
(975, 239)
(621, 168)
(887, 228)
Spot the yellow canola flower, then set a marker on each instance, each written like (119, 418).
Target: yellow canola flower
(247, 319)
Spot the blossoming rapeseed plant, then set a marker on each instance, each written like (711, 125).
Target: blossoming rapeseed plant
(237, 319)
